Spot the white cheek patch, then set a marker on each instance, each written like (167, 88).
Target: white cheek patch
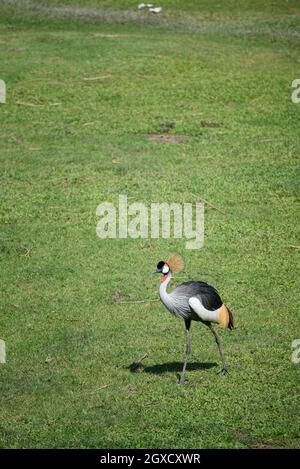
(165, 269)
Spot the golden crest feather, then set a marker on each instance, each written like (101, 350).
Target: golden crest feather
(176, 263)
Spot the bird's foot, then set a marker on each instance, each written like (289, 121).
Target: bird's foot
(181, 381)
(223, 372)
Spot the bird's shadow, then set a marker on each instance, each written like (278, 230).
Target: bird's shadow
(170, 367)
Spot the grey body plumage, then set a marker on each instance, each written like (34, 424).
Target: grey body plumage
(177, 301)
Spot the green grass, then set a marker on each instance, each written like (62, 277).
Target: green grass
(67, 315)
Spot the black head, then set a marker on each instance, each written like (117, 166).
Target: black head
(162, 268)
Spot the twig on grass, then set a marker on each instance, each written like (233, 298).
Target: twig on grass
(138, 301)
(210, 204)
(22, 103)
(96, 78)
(136, 366)
(99, 389)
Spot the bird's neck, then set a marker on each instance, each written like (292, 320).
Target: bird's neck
(164, 283)
(164, 296)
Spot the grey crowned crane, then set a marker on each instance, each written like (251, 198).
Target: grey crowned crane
(193, 301)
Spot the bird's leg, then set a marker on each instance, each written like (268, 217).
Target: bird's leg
(218, 341)
(188, 349)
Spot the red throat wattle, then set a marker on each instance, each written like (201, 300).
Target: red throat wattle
(164, 278)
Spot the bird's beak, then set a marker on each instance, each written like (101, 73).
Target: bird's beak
(156, 271)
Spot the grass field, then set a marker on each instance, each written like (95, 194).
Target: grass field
(87, 83)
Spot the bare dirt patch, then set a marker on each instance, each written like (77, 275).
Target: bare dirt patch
(167, 126)
(212, 125)
(167, 138)
(117, 295)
